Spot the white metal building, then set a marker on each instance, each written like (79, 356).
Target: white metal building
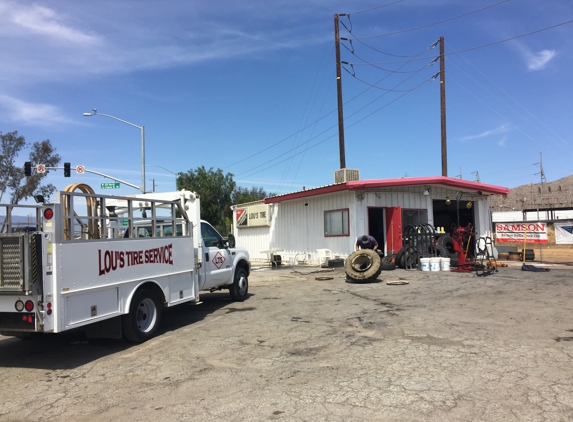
(299, 226)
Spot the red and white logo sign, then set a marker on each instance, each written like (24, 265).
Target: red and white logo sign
(40, 168)
(218, 260)
(242, 217)
(80, 169)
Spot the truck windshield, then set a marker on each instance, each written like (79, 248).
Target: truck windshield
(211, 237)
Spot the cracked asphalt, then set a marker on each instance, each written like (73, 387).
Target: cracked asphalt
(444, 347)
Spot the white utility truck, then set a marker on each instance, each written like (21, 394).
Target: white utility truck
(109, 264)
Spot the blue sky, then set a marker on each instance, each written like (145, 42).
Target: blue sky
(249, 87)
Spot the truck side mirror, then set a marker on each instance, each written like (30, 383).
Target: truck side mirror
(231, 240)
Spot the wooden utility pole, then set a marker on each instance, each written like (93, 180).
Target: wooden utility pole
(339, 90)
(443, 109)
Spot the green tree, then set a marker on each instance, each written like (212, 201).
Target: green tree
(12, 177)
(215, 190)
(243, 195)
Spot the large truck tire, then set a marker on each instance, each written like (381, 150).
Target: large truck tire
(363, 266)
(142, 321)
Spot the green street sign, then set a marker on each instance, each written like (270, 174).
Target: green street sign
(125, 222)
(113, 185)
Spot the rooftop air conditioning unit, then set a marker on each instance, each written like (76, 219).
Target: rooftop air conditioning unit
(346, 175)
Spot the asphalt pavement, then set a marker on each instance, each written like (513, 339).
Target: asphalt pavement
(308, 345)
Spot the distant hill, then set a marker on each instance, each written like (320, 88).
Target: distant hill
(557, 194)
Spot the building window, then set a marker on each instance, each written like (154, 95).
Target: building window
(336, 223)
(411, 217)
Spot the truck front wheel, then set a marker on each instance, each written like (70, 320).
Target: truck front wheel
(240, 287)
(142, 321)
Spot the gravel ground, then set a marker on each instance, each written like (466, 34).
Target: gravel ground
(443, 347)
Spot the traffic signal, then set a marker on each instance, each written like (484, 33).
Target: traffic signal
(27, 168)
(67, 171)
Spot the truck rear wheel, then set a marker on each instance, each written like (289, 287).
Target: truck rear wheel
(142, 321)
(240, 287)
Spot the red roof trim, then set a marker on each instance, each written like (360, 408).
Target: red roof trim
(391, 183)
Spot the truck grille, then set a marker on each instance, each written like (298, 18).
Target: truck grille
(12, 263)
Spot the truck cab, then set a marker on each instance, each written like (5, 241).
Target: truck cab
(222, 265)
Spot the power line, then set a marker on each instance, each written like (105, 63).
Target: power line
(506, 93)
(366, 63)
(348, 117)
(283, 140)
(435, 23)
(373, 8)
(485, 88)
(393, 90)
(333, 111)
(326, 139)
(495, 111)
(369, 46)
(298, 140)
(513, 38)
(378, 51)
(323, 117)
(484, 45)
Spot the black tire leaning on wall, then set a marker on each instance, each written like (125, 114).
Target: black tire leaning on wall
(363, 266)
(447, 241)
(409, 258)
(399, 256)
(387, 264)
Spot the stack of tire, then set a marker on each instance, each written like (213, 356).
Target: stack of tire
(445, 248)
(407, 256)
(529, 255)
(365, 265)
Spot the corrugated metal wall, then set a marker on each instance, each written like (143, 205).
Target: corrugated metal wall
(297, 226)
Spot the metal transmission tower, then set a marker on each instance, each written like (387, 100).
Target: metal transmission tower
(477, 175)
(541, 172)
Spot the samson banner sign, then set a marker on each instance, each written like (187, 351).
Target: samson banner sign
(564, 233)
(520, 232)
(253, 216)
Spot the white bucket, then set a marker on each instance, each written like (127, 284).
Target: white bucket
(425, 264)
(445, 264)
(434, 264)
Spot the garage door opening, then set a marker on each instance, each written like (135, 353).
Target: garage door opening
(376, 225)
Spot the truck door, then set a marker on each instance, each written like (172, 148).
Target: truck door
(393, 229)
(217, 261)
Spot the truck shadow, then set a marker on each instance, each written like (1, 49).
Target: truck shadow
(71, 349)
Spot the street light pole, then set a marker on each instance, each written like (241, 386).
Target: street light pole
(142, 128)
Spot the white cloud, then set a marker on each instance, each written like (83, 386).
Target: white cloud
(538, 61)
(496, 131)
(535, 61)
(23, 20)
(18, 111)
(44, 43)
(503, 141)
